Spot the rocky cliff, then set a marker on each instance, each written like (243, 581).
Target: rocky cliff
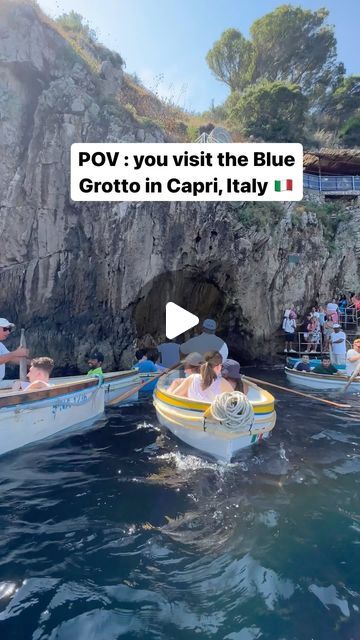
(80, 275)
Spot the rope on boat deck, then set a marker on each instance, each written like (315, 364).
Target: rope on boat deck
(233, 410)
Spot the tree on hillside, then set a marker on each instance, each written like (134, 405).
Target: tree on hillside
(295, 45)
(75, 22)
(350, 132)
(273, 111)
(231, 59)
(344, 102)
(289, 44)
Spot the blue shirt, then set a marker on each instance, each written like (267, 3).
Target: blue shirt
(146, 366)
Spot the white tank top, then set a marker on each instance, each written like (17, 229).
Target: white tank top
(196, 392)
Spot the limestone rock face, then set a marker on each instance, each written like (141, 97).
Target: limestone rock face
(80, 275)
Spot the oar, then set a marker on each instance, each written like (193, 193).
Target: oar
(128, 394)
(23, 361)
(352, 377)
(299, 393)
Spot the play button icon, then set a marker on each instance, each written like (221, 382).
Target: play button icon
(178, 320)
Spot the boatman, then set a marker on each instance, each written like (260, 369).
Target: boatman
(206, 341)
(353, 358)
(6, 328)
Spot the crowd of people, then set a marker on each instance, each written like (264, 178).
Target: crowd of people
(322, 328)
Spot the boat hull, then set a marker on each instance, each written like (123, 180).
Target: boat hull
(39, 415)
(319, 381)
(185, 419)
(116, 384)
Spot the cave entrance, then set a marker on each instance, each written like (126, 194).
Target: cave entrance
(187, 288)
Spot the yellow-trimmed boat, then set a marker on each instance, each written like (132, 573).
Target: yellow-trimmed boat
(195, 422)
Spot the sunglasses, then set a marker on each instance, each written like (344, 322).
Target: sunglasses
(6, 329)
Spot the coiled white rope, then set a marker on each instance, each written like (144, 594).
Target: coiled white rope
(233, 410)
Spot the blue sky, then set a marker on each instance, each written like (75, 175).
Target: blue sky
(165, 41)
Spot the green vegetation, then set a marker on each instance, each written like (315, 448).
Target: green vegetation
(289, 68)
(273, 111)
(74, 22)
(260, 215)
(329, 215)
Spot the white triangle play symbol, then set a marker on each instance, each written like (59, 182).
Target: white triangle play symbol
(178, 320)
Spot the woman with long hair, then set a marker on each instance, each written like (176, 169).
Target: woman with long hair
(207, 384)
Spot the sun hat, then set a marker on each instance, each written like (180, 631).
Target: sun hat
(194, 359)
(231, 369)
(5, 323)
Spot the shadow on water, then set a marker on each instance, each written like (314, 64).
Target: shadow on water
(122, 531)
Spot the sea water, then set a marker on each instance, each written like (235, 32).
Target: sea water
(122, 531)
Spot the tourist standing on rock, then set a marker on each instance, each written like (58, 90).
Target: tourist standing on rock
(206, 341)
(353, 357)
(338, 345)
(6, 328)
(289, 327)
(333, 309)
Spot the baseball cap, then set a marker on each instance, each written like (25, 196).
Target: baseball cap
(336, 326)
(231, 369)
(97, 355)
(5, 323)
(194, 359)
(209, 324)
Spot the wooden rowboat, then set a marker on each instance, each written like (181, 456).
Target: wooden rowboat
(320, 381)
(116, 383)
(26, 417)
(187, 419)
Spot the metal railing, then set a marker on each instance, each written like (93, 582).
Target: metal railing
(332, 184)
(305, 345)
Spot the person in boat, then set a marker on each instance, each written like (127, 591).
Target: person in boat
(148, 365)
(205, 342)
(140, 356)
(6, 356)
(95, 362)
(191, 364)
(207, 384)
(303, 364)
(39, 373)
(325, 367)
(231, 372)
(353, 357)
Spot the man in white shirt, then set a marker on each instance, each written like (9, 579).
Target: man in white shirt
(289, 327)
(353, 358)
(5, 355)
(338, 345)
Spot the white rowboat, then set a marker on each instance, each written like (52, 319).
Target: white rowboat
(187, 419)
(313, 380)
(116, 383)
(26, 417)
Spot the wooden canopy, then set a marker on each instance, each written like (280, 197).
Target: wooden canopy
(333, 162)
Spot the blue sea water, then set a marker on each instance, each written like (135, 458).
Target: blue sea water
(121, 531)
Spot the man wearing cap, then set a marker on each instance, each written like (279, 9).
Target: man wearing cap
(338, 345)
(206, 341)
(6, 328)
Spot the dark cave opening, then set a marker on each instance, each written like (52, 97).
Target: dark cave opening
(199, 294)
